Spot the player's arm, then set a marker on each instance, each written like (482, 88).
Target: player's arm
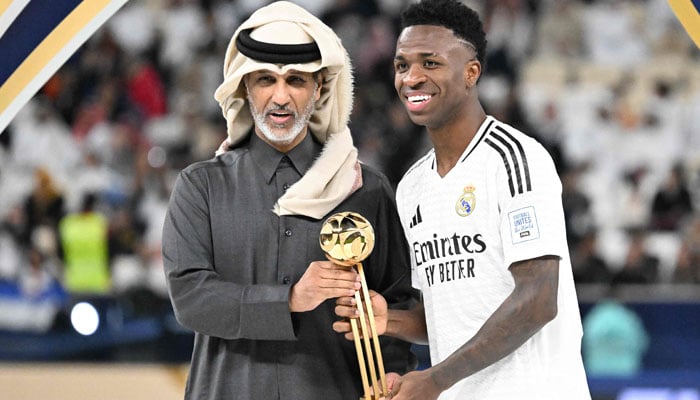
(531, 305)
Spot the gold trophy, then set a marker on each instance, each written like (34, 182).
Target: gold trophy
(347, 238)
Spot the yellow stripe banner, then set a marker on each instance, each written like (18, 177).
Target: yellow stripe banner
(688, 13)
(37, 38)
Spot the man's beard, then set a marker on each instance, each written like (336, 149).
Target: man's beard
(272, 131)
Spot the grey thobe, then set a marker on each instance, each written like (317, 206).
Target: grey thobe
(230, 263)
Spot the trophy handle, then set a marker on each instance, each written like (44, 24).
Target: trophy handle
(363, 302)
(373, 331)
(360, 358)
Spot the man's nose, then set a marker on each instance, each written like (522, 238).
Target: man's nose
(280, 94)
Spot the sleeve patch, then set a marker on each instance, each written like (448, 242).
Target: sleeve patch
(523, 225)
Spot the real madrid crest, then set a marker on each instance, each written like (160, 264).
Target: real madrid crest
(466, 202)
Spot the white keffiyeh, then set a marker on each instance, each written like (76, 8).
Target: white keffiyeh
(336, 173)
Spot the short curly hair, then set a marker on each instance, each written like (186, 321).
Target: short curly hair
(451, 14)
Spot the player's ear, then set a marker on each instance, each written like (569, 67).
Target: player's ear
(472, 72)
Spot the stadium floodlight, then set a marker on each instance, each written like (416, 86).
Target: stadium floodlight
(84, 318)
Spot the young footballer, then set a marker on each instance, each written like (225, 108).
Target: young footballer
(482, 214)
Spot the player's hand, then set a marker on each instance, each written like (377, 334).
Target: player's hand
(322, 280)
(346, 307)
(391, 377)
(416, 385)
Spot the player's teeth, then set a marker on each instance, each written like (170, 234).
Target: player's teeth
(418, 99)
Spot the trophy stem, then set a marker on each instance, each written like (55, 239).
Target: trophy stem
(373, 330)
(360, 356)
(366, 339)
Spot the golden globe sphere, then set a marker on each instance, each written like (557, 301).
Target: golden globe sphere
(347, 238)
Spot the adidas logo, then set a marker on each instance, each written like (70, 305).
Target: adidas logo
(417, 219)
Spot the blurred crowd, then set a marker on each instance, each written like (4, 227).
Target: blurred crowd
(611, 88)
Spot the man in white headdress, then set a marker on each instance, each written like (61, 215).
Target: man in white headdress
(241, 251)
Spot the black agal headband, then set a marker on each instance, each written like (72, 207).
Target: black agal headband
(276, 53)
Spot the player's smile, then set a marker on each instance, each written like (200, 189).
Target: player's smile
(417, 101)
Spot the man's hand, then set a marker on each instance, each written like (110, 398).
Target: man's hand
(322, 280)
(346, 307)
(416, 385)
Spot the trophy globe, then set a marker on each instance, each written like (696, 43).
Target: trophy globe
(347, 238)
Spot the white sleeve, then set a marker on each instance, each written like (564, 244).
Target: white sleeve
(532, 219)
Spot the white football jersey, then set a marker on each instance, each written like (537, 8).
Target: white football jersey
(500, 204)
